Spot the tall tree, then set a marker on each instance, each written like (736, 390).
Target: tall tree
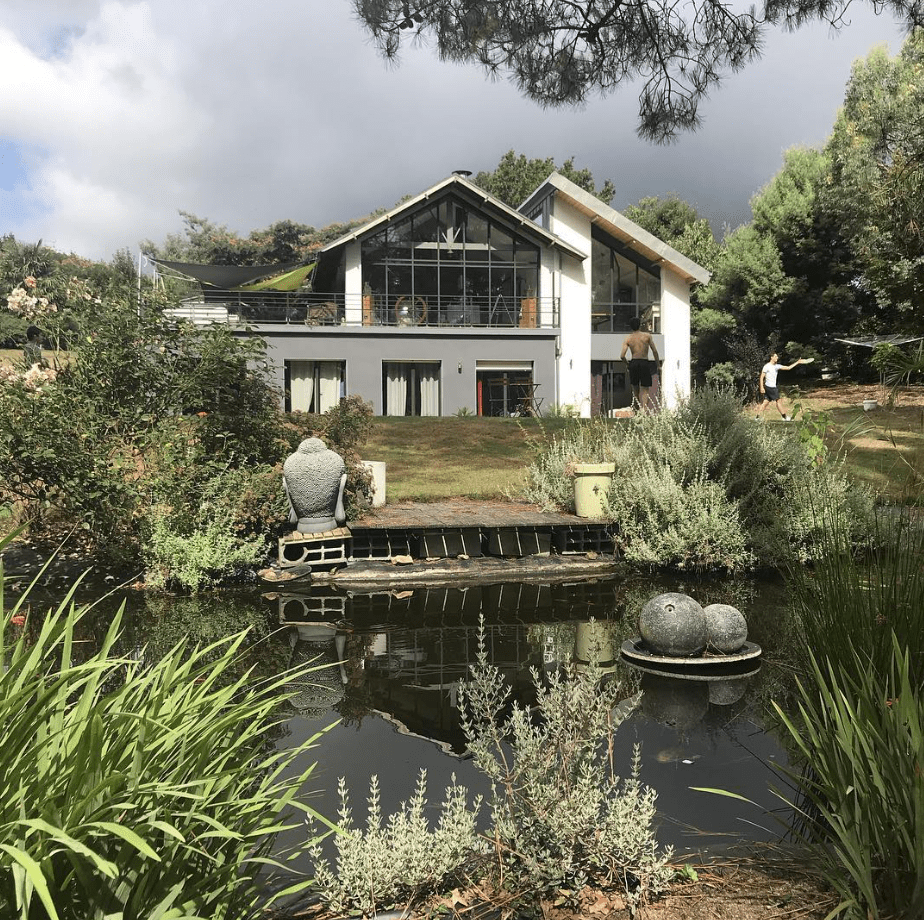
(678, 224)
(516, 177)
(560, 52)
(877, 182)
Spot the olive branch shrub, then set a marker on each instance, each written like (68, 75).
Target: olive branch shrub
(703, 487)
(560, 815)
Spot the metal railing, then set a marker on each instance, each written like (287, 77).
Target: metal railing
(614, 317)
(399, 310)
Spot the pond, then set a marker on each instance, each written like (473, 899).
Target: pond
(393, 661)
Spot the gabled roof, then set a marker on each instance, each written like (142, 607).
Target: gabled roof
(471, 191)
(618, 226)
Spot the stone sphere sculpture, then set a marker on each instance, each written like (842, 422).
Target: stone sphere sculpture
(726, 628)
(678, 704)
(314, 478)
(727, 692)
(674, 625)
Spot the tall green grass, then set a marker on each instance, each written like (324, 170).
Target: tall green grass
(862, 798)
(858, 719)
(136, 791)
(857, 594)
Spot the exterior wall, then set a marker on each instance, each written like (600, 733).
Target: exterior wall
(675, 325)
(579, 345)
(365, 348)
(574, 361)
(354, 283)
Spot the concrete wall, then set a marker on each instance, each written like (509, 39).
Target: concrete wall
(574, 362)
(675, 326)
(365, 348)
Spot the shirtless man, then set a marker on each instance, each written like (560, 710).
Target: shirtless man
(638, 343)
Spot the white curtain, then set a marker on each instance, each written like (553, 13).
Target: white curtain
(429, 389)
(301, 385)
(328, 384)
(396, 388)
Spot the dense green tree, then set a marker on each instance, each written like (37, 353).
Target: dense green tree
(517, 177)
(749, 286)
(560, 52)
(877, 182)
(208, 243)
(678, 224)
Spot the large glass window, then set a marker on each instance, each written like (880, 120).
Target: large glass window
(458, 265)
(505, 389)
(624, 285)
(314, 386)
(411, 387)
(608, 387)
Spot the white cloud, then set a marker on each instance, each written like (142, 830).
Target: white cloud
(126, 112)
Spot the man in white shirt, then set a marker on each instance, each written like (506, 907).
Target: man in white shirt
(769, 392)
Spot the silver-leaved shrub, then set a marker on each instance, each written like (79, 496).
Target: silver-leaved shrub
(563, 818)
(400, 859)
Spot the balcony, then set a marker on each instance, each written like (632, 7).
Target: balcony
(397, 310)
(614, 317)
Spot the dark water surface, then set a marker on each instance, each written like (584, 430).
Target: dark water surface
(393, 661)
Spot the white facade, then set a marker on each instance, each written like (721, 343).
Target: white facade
(572, 213)
(532, 332)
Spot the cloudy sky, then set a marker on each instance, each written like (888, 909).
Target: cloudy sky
(116, 115)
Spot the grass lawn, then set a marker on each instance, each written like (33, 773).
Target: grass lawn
(429, 459)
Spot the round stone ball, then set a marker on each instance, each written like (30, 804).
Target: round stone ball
(678, 704)
(674, 625)
(727, 692)
(726, 628)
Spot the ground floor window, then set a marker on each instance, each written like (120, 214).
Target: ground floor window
(314, 386)
(505, 389)
(609, 387)
(411, 387)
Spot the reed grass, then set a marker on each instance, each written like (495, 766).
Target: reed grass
(862, 800)
(858, 719)
(132, 790)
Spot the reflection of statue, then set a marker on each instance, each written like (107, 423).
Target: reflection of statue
(314, 478)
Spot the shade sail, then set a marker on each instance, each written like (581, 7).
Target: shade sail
(288, 281)
(228, 277)
(871, 341)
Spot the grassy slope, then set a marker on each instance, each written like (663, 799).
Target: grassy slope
(429, 459)
(433, 458)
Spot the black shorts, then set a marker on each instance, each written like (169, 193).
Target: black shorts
(640, 372)
(771, 394)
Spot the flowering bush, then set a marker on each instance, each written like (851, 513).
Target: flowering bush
(27, 305)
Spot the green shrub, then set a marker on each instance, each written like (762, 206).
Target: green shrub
(562, 818)
(138, 394)
(702, 486)
(134, 789)
(687, 525)
(399, 861)
(211, 526)
(861, 734)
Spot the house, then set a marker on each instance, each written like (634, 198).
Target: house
(454, 301)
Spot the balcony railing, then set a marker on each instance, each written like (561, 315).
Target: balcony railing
(614, 317)
(399, 310)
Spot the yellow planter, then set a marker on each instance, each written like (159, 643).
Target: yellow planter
(591, 483)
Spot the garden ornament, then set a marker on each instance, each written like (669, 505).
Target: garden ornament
(314, 478)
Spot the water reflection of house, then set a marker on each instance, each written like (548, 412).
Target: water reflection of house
(454, 300)
(410, 674)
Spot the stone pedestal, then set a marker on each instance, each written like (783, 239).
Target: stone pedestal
(376, 469)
